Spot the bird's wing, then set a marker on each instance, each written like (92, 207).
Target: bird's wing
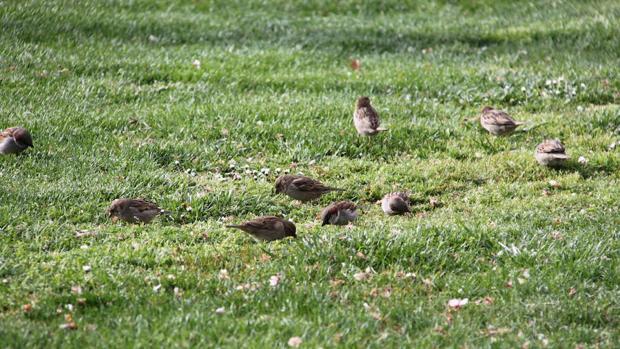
(345, 205)
(307, 184)
(143, 205)
(369, 115)
(553, 147)
(266, 224)
(498, 117)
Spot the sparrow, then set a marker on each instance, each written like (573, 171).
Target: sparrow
(551, 153)
(366, 119)
(395, 203)
(14, 140)
(267, 228)
(133, 210)
(302, 188)
(339, 213)
(498, 122)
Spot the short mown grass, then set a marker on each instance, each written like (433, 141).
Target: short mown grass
(117, 109)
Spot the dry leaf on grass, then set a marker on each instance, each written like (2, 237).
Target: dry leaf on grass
(457, 303)
(223, 275)
(373, 311)
(356, 64)
(294, 342)
(85, 233)
(572, 292)
(495, 331)
(274, 280)
(26, 308)
(486, 301)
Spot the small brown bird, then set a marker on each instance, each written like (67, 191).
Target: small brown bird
(498, 122)
(339, 213)
(267, 228)
(133, 210)
(551, 153)
(14, 140)
(302, 188)
(395, 203)
(366, 119)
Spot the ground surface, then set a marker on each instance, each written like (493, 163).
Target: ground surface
(117, 109)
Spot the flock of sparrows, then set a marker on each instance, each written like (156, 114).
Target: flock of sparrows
(268, 228)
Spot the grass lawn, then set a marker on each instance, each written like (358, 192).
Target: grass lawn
(118, 107)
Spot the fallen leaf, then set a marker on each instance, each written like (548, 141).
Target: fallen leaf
(373, 311)
(26, 308)
(526, 273)
(274, 280)
(265, 257)
(336, 282)
(85, 233)
(572, 292)
(223, 275)
(361, 276)
(434, 202)
(361, 255)
(556, 235)
(356, 64)
(69, 326)
(493, 331)
(294, 342)
(456, 303)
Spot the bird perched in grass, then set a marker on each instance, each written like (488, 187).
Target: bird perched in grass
(267, 228)
(339, 213)
(395, 203)
(366, 119)
(498, 122)
(551, 153)
(302, 188)
(14, 140)
(133, 210)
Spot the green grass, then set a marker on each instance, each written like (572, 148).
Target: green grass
(116, 114)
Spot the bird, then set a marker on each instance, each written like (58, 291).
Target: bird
(498, 122)
(395, 203)
(14, 140)
(366, 119)
(133, 210)
(551, 153)
(302, 188)
(339, 213)
(267, 228)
